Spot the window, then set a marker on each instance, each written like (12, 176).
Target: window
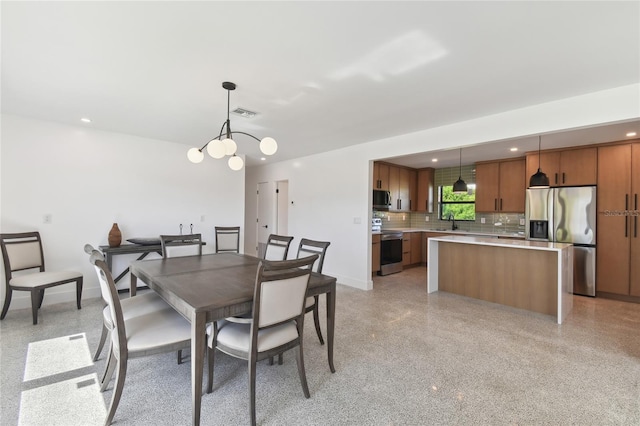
(461, 206)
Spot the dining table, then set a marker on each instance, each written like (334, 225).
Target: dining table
(212, 287)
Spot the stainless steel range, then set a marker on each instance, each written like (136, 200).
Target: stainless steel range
(390, 252)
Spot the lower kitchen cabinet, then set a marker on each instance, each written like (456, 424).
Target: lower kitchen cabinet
(416, 248)
(406, 248)
(375, 253)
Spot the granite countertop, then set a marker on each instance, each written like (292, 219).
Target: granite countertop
(456, 232)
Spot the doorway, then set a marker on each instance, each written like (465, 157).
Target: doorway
(273, 212)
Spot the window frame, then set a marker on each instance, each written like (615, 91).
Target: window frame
(442, 203)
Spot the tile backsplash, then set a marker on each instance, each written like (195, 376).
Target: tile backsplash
(495, 223)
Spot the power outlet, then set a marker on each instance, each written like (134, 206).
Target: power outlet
(483, 220)
(426, 218)
(47, 218)
(521, 222)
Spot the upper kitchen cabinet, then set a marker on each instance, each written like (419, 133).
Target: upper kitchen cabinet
(571, 167)
(618, 237)
(501, 186)
(401, 184)
(424, 196)
(380, 176)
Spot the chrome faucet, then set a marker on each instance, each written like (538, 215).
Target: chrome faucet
(452, 218)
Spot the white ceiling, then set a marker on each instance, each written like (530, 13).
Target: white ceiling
(321, 75)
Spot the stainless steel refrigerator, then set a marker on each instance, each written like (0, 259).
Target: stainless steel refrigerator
(567, 215)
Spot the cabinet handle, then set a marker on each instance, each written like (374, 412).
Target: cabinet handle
(626, 201)
(495, 204)
(556, 178)
(562, 177)
(635, 197)
(626, 227)
(635, 227)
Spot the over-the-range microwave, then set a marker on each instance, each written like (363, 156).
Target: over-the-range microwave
(381, 199)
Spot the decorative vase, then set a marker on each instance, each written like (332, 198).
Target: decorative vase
(115, 236)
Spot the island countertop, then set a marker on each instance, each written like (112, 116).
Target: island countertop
(532, 275)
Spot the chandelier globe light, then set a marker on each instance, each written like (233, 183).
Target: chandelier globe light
(223, 145)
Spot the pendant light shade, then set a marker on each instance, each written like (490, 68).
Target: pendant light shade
(539, 179)
(223, 145)
(460, 187)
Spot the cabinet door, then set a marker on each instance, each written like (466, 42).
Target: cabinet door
(375, 253)
(394, 188)
(426, 179)
(416, 247)
(613, 237)
(487, 187)
(512, 186)
(614, 178)
(413, 190)
(404, 190)
(612, 258)
(578, 167)
(549, 164)
(634, 284)
(380, 176)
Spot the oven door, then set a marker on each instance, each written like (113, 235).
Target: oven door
(390, 254)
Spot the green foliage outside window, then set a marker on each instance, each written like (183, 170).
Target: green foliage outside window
(462, 206)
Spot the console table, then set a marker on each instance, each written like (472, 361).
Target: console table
(143, 250)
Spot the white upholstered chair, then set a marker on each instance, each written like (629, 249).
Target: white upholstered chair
(22, 253)
(152, 333)
(181, 245)
(307, 248)
(277, 247)
(277, 324)
(227, 239)
(141, 304)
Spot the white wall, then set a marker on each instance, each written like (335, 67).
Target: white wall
(331, 191)
(88, 179)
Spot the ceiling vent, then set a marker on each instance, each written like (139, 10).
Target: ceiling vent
(244, 113)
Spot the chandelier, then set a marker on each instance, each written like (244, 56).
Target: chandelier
(220, 147)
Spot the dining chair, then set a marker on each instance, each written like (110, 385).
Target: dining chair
(306, 248)
(156, 332)
(227, 239)
(181, 245)
(277, 324)
(23, 252)
(141, 304)
(178, 246)
(277, 247)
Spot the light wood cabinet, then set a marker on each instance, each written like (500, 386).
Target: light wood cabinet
(401, 182)
(406, 249)
(425, 193)
(375, 253)
(618, 236)
(416, 247)
(413, 190)
(572, 167)
(380, 176)
(501, 186)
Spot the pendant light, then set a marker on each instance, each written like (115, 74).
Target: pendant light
(460, 187)
(222, 145)
(539, 179)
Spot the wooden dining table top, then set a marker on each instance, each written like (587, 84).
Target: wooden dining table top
(220, 284)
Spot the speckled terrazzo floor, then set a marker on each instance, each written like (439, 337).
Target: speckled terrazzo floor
(402, 357)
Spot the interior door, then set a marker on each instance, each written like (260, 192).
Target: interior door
(265, 216)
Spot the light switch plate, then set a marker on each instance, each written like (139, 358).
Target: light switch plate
(522, 222)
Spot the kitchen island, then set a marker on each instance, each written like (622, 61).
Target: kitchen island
(531, 275)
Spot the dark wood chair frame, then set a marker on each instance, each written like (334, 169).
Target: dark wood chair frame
(118, 359)
(309, 247)
(267, 271)
(280, 241)
(180, 240)
(228, 230)
(37, 292)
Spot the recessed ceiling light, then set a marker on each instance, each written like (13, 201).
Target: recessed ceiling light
(85, 120)
(631, 134)
(513, 149)
(244, 112)
(434, 160)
